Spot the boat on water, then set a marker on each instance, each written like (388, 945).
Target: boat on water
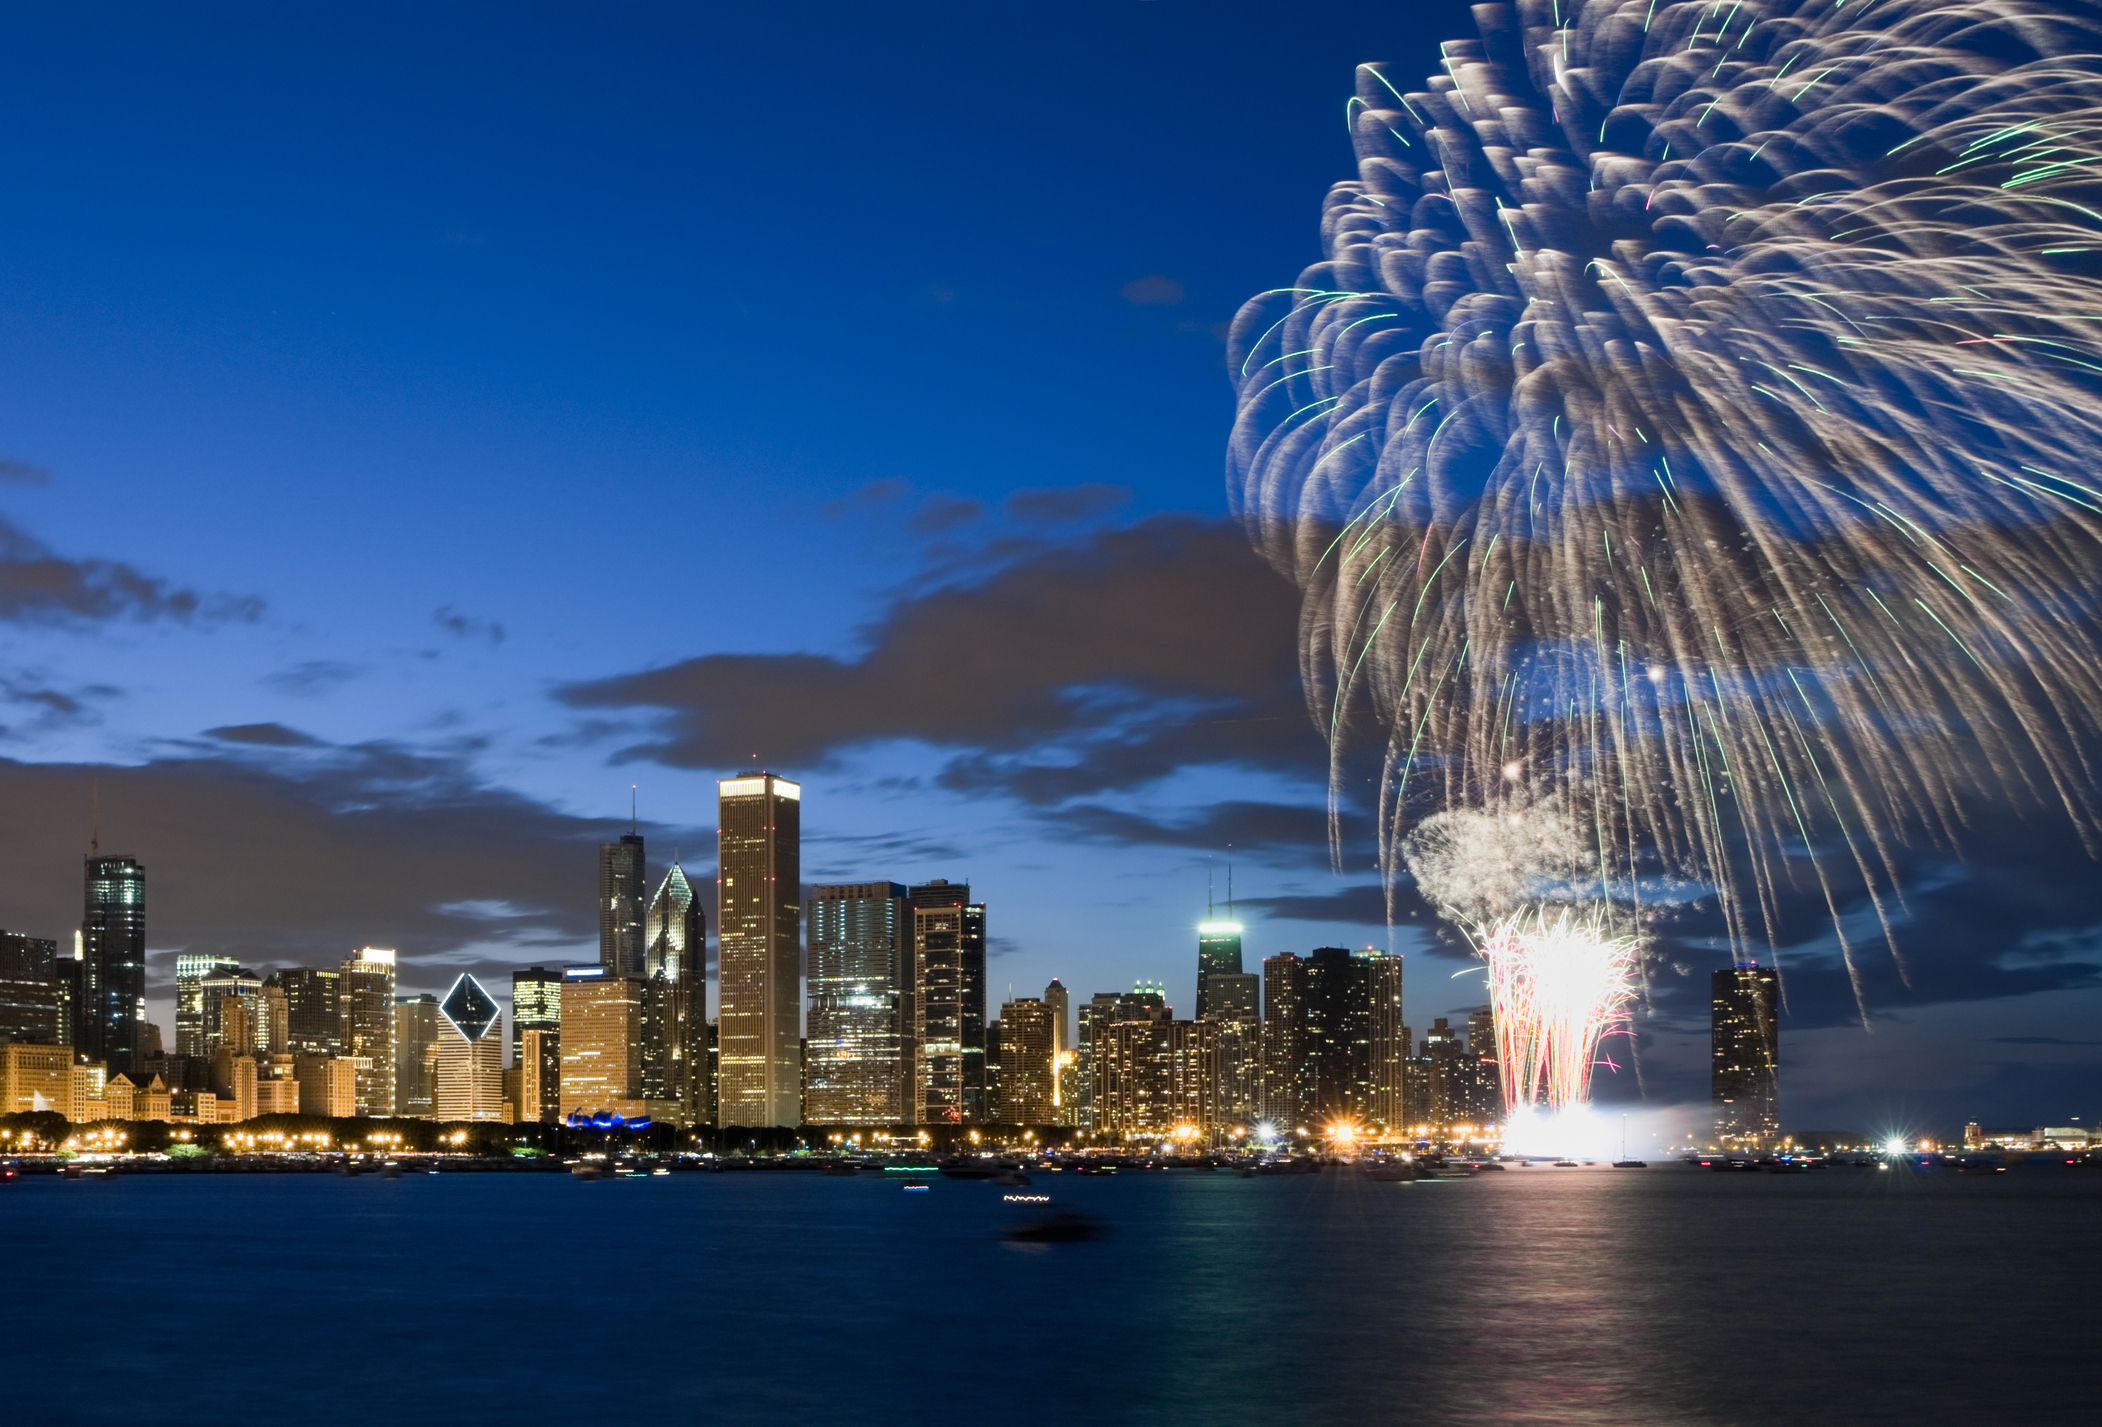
(1565, 1164)
(1060, 1226)
(969, 1169)
(1011, 1178)
(1393, 1172)
(1631, 1164)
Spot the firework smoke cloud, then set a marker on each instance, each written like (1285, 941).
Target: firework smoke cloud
(1694, 422)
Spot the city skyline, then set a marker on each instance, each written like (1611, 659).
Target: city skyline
(1056, 666)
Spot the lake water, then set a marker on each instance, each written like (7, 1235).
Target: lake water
(1667, 1296)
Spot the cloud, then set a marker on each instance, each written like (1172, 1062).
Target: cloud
(313, 678)
(38, 586)
(1058, 504)
(48, 708)
(1153, 291)
(940, 513)
(872, 496)
(22, 473)
(1300, 833)
(265, 735)
(1073, 669)
(461, 626)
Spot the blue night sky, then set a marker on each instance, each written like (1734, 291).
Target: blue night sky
(424, 422)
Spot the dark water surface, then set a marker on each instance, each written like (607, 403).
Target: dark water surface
(1667, 1295)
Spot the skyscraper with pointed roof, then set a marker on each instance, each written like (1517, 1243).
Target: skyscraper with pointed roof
(674, 1010)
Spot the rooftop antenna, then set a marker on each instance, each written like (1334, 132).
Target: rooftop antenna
(632, 828)
(1229, 884)
(1208, 908)
(95, 836)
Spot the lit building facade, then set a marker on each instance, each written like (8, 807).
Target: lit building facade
(367, 997)
(313, 1009)
(857, 1069)
(1284, 1041)
(539, 1073)
(1744, 1077)
(1230, 998)
(948, 940)
(469, 1057)
(230, 998)
(29, 994)
(758, 953)
(191, 970)
(1156, 1076)
(417, 1025)
(35, 1078)
(601, 1043)
(113, 957)
(622, 886)
(1028, 1085)
(327, 1085)
(536, 1006)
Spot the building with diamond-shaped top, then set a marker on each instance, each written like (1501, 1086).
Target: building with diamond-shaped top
(470, 1056)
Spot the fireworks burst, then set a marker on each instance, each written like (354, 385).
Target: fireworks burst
(1559, 981)
(1690, 429)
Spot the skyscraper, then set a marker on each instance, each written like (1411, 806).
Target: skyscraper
(601, 1043)
(191, 968)
(113, 953)
(416, 1035)
(622, 885)
(674, 1043)
(858, 942)
(1027, 1086)
(1155, 1075)
(313, 1009)
(1064, 1090)
(366, 997)
(948, 941)
(29, 992)
(1230, 998)
(539, 1079)
(758, 952)
(469, 1060)
(1058, 1002)
(1744, 1077)
(230, 985)
(536, 1005)
(1284, 1041)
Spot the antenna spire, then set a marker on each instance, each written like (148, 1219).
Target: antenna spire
(1208, 908)
(632, 827)
(1229, 891)
(95, 836)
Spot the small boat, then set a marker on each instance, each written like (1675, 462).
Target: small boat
(390, 1171)
(1392, 1172)
(916, 1186)
(1629, 1164)
(1012, 1178)
(587, 1173)
(1097, 1169)
(1059, 1227)
(968, 1169)
(839, 1169)
(1565, 1164)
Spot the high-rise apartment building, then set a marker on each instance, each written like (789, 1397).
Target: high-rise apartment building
(1285, 1099)
(1064, 1094)
(313, 1009)
(191, 969)
(857, 1069)
(675, 1009)
(366, 997)
(1334, 1048)
(36, 1078)
(1744, 1077)
(539, 1072)
(948, 940)
(601, 1043)
(622, 887)
(758, 953)
(1028, 1086)
(949, 996)
(469, 1057)
(417, 1026)
(536, 1006)
(113, 956)
(29, 992)
(1156, 1076)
